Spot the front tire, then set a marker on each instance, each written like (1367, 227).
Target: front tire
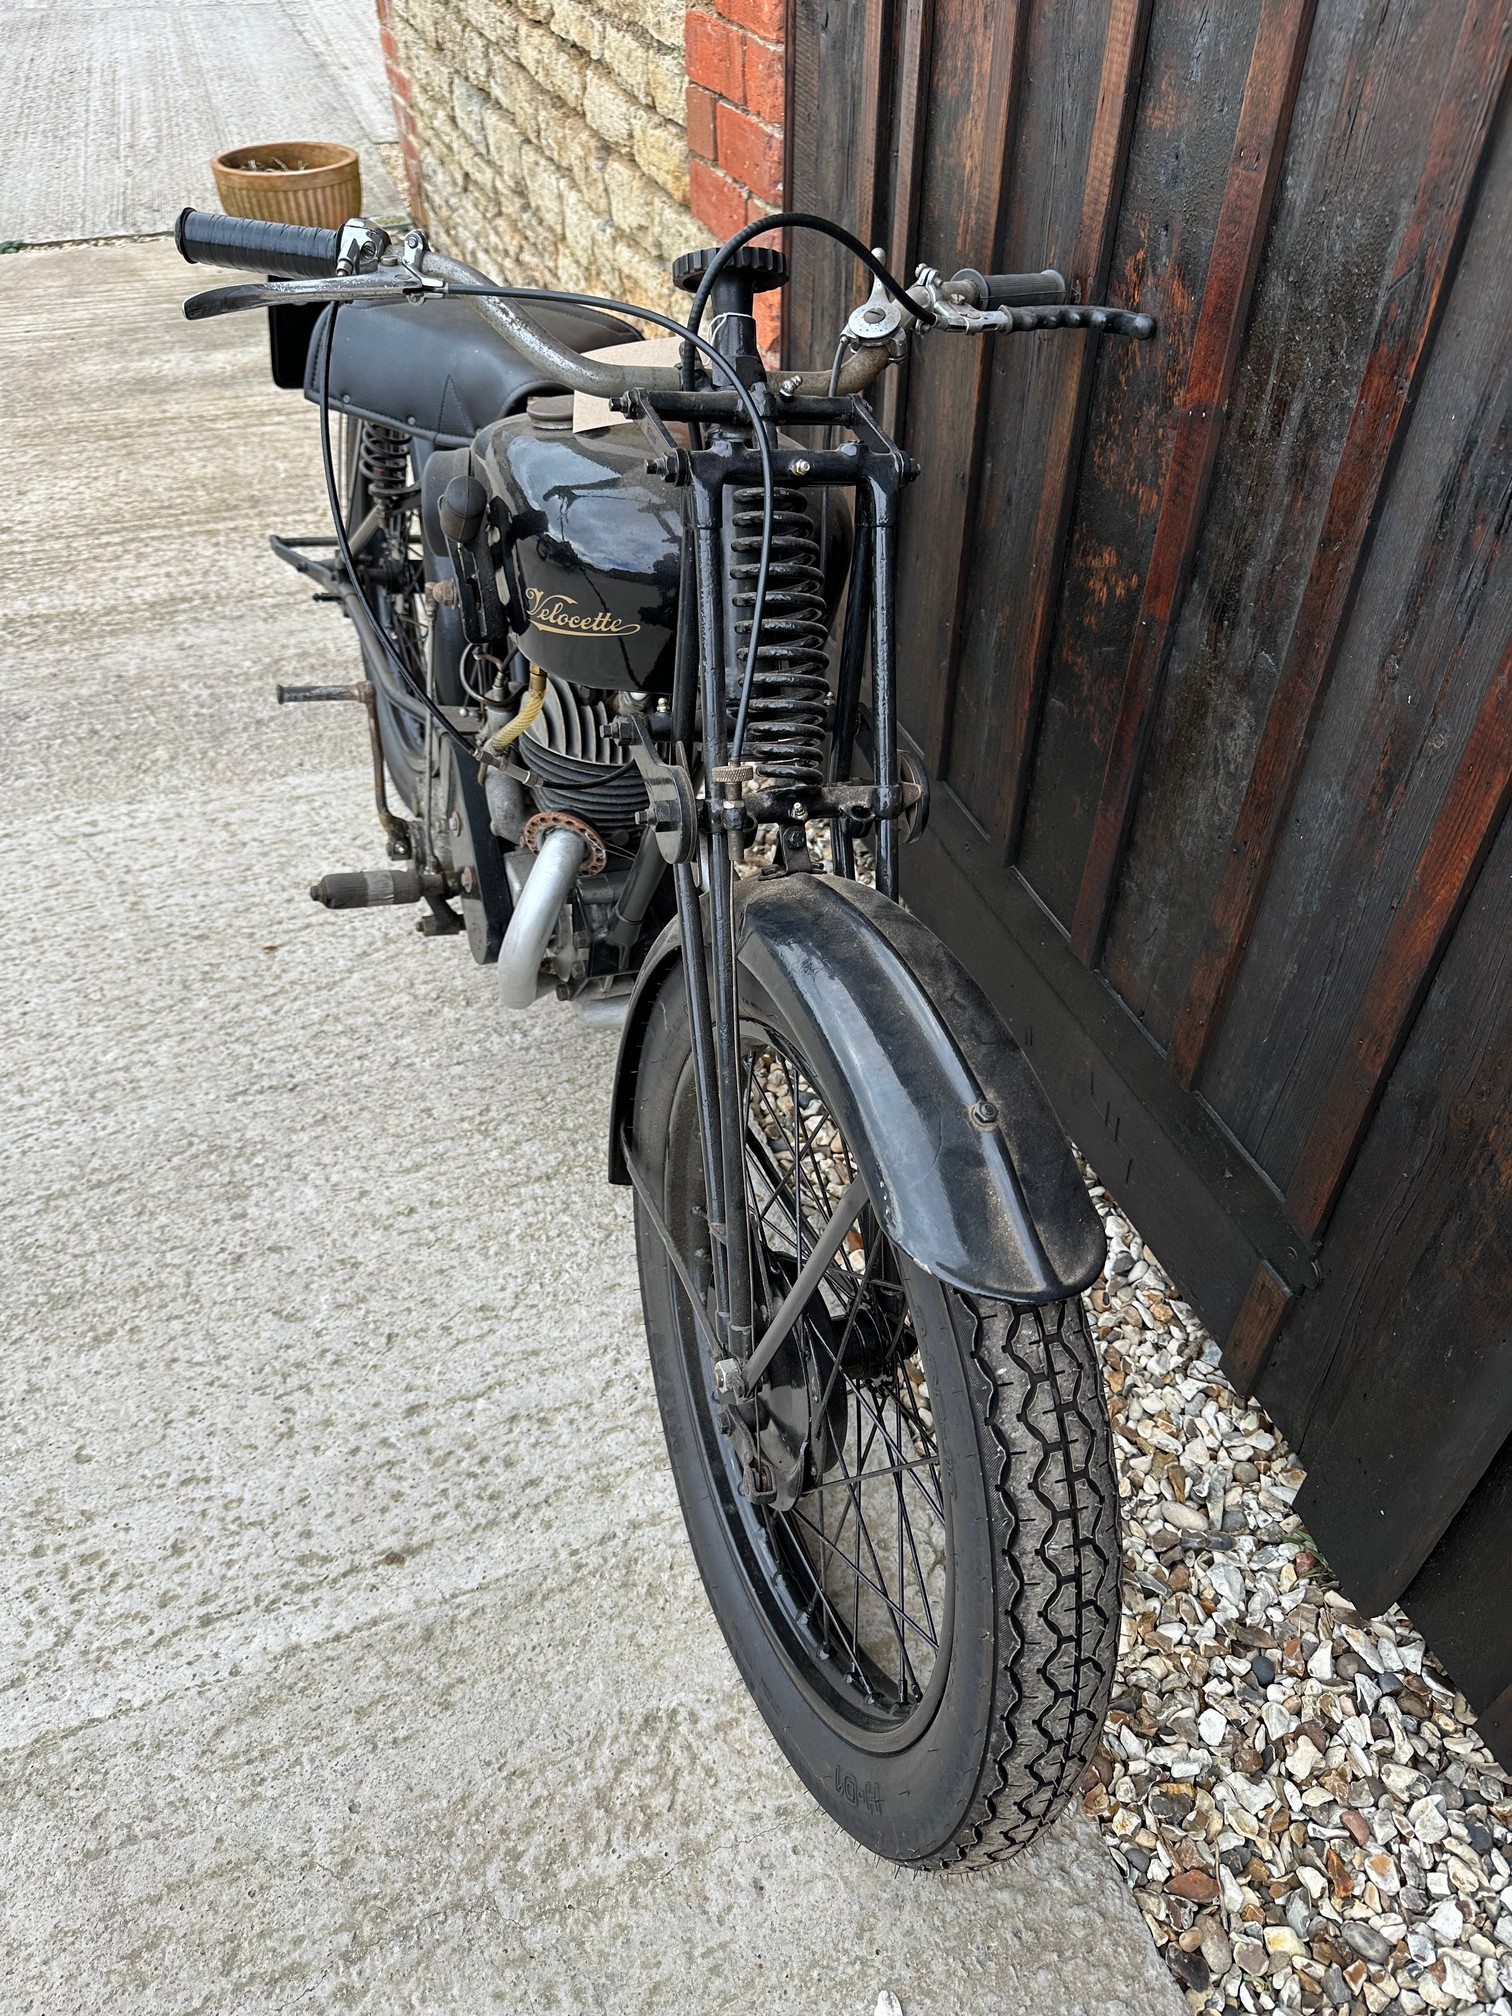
(926, 1607)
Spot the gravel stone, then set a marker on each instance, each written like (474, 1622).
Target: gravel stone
(1283, 1940)
(1251, 1956)
(1335, 1987)
(1215, 1947)
(1190, 1969)
(1295, 1791)
(1367, 1941)
(1446, 1923)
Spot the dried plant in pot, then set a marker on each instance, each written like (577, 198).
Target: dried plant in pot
(290, 182)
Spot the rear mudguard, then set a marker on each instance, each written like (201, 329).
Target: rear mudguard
(903, 1046)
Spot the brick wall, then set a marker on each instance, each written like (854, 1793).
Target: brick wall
(584, 143)
(734, 119)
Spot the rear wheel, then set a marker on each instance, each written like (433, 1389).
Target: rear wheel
(909, 1537)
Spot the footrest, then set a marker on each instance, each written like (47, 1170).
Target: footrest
(368, 889)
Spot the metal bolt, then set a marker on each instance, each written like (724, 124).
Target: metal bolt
(727, 1380)
(789, 386)
(799, 810)
(984, 1115)
(455, 822)
(467, 878)
(874, 315)
(801, 467)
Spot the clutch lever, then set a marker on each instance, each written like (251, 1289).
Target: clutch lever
(389, 283)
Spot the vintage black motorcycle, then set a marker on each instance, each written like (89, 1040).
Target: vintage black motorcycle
(643, 763)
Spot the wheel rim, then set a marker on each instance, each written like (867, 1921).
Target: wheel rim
(853, 1579)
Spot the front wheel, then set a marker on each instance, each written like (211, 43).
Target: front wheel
(910, 1536)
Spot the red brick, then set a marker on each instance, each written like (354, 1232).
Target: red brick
(769, 323)
(762, 17)
(714, 51)
(701, 139)
(765, 94)
(750, 152)
(714, 199)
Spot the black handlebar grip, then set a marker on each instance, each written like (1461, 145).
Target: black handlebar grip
(298, 251)
(1009, 290)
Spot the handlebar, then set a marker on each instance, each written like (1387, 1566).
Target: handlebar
(308, 255)
(301, 251)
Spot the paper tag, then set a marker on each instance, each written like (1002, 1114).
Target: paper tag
(589, 413)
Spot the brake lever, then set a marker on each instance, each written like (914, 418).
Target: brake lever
(948, 303)
(362, 246)
(1111, 321)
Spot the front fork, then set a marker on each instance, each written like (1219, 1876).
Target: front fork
(710, 965)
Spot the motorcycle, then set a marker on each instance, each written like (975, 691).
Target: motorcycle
(627, 634)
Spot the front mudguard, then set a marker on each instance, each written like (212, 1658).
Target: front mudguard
(904, 1047)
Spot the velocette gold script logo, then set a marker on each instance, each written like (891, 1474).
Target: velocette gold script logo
(559, 613)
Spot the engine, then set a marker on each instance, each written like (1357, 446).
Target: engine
(568, 761)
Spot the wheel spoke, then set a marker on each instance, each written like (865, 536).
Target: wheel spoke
(901, 1618)
(851, 1552)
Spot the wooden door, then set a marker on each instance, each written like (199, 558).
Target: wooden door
(1205, 644)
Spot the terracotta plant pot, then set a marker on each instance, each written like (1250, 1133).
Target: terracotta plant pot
(290, 182)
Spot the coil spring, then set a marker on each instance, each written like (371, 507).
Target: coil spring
(384, 461)
(788, 715)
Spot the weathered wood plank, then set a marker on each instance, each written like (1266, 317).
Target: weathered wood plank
(915, 42)
(975, 74)
(1359, 134)
(872, 119)
(1179, 157)
(1419, 652)
(1453, 1600)
(911, 78)
(1039, 433)
(1247, 1348)
(1270, 93)
(1391, 1378)
(1472, 90)
(1473, 808)
(837, 82)
(1204, 1207)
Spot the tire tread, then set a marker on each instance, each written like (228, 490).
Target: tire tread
(1047, 1451)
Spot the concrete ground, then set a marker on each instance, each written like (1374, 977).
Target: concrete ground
(351, 1653)
(114, 107)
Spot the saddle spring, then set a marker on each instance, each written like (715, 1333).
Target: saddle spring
(384, 461)
(788, 716)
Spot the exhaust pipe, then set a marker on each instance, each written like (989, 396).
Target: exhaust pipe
(537, 912)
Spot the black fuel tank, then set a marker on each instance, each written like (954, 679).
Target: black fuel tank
(593, 544)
